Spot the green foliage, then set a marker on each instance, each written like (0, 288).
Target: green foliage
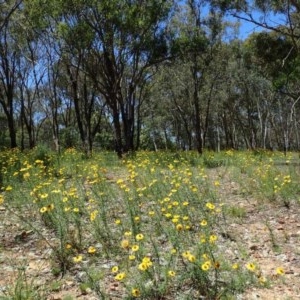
(44, 154)
(68, 297)
(277, 56)
(185, 44)
(211, 160)
(235, 211)
(271, 5)
(69, 138)
(79, 36)
(226, 5)
(23, 288)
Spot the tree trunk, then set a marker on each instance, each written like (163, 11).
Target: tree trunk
(12, 132)
(198, 132)
(118, 133)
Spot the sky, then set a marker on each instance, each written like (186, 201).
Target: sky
(247, 28)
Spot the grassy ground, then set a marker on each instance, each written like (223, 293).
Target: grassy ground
(153, 226)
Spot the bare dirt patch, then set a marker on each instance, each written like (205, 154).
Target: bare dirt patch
(270, 233)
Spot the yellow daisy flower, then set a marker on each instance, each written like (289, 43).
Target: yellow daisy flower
(135, 292)
(120, 276)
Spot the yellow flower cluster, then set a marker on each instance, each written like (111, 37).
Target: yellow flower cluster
(145, 264)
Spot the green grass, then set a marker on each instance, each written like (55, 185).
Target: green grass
(151, 222)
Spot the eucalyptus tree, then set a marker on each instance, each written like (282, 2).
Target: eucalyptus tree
(121, 40)
(162, 122)
(7, 9)
(173, 91)
(282, 16)
(10, 51)
(31, 74)
(50, 99)
(131, 38)
(68, 93)
(279, 62)
(247, 101)
(75, 82)
(278, 48)
(193, 39)
(199, 32)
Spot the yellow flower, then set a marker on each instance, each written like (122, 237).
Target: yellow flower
(191, 258)
(115, 269)
(135, 248)
(50, 207)
(186, 254)
(76, 209)
(203, 223)
(43, 209)
(171, 273)
(280, 271)
(131, 257)
(251, 267)
(168, 215)
(262, 280)
(143, 266)
(147, 260)
(118, 222)
(125, 244)
(167, 199)
(151, 213)
(205, 256)
(8, 188)
(202, 239)
(217, 183)
(55, 191)
(68, 246)
(210, 206)
(135, 292)
(38, 161)
(173, 251)
(120, 276)
(120, 181)
(235, 266)
(128, 233)
(212, 238)
(206, 266)
(139, 237)
(93, 215)
(92, 250)
(77, 258)
(179, 227)
(26, 175)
